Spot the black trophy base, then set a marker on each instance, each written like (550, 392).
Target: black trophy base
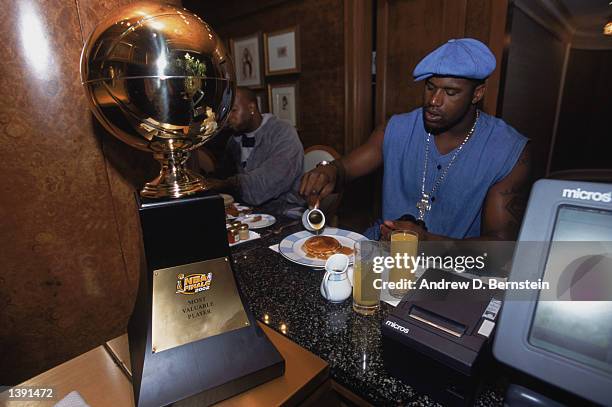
(178, 232)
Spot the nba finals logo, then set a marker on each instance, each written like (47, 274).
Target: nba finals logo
(193, 283)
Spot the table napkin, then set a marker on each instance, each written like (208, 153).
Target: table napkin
(72, 399)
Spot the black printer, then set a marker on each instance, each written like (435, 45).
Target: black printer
(438, 340)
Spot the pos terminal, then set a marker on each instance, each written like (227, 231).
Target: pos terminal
(438, 340)
(558, 342)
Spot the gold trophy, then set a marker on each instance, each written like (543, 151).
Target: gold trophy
(159, 78)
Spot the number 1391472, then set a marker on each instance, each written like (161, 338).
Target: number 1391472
(28, 393)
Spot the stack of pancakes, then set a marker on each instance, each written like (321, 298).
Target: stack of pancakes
(321, 247)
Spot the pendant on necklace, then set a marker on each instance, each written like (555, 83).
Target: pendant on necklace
(423, 205)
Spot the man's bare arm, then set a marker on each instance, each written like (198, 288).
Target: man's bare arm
(321, 181)
(505, 203)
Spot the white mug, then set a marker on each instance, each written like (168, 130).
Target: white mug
(336, 285)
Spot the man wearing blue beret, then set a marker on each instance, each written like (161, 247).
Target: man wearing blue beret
(450, 170)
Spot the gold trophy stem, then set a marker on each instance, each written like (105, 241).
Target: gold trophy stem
(174, 179)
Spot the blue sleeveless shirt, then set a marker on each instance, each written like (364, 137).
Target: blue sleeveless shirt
(486, 158)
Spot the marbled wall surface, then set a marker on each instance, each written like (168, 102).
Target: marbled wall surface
(70, 239)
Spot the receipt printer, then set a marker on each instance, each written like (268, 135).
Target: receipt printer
(438, 337)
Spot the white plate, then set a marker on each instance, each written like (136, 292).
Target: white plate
(265, 221)
(291, 246)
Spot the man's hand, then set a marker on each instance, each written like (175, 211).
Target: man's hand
(321, 181)
(391, 225)
(318, 183)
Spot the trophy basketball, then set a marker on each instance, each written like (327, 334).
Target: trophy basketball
(159, 78)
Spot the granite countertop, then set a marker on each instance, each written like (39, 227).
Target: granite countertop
(286, 297)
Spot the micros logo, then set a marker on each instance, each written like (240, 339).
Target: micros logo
(397, 326)
(193, 283)
(587, 195)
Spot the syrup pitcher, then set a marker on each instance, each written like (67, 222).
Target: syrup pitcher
(314, 219)
(336, 285)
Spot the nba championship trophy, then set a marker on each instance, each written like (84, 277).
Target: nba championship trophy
(159, 78)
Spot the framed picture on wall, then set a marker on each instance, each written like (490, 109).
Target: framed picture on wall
(282, 99)
(247, 60)
(282, 51)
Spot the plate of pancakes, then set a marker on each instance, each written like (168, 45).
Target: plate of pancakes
(308, 249)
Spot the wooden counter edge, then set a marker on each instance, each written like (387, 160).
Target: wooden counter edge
(108, 383)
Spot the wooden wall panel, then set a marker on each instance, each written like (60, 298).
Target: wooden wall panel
(585, 121)
(532, 83)
(358, 45)
(321, 81)
(62, 285)
(70, 237)
(479, 24)
(487, 23)
(409, 30)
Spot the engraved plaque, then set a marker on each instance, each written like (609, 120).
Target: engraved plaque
(194, 301)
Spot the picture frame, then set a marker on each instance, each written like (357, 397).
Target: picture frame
(282, 51)
(283, 102)
(246, 52)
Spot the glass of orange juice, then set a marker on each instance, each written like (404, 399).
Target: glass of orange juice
(366, 297)
(405, 245)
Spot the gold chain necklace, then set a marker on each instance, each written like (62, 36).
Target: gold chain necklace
(424, 204)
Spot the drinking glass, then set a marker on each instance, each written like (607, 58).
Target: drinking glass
(366, 298)
(405, 244)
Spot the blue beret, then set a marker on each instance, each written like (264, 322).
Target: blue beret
(465, 58)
